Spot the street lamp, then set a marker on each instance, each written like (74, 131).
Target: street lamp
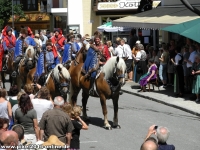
(12, 16)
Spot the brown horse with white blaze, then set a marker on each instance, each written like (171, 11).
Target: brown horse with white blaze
(107, 84)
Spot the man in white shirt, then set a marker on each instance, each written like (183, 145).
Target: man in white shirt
(119, 49)
(128, 55)
(44, 40)
(189, 64)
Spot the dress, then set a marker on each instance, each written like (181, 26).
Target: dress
(196, 80)
(75, 142)
(143, 79)
(90, 64)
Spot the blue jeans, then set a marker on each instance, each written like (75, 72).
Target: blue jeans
(163, 72)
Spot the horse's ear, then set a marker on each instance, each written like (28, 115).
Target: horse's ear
(59, 68)
(117, 59)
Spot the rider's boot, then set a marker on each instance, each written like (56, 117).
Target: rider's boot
(14, 73)
(91, 89)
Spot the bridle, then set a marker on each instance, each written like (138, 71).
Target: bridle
(118, 77)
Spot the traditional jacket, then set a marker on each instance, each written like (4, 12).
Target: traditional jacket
(51, 61)
(9, 42)
(19, 45)
(58, 41)
(104, 51)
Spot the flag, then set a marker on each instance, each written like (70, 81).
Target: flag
(66, 53)
(40, 65)
(18, 48)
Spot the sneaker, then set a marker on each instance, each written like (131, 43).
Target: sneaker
(197, 100)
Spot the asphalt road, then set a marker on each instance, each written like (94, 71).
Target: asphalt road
(135, 116)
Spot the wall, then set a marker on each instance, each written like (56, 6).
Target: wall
(75, 13)
(178, 2)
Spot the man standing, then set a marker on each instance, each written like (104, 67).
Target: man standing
(59, 41)
(129, 59)
(56, 122)
(9, 42)
(21, 45)
(43, 39)
(133, 38)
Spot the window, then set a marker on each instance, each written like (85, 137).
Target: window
(29, 5)
(16, 2)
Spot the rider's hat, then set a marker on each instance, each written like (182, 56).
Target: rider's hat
(49, 42)
(24, 31)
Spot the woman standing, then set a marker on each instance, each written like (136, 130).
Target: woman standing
(186, 56)
(178, 76)
(150, 75)
(163, 66)
(155, 57)
(196, 79)
(110, 48)
(27, 117)
(5, 106)
(141, 66)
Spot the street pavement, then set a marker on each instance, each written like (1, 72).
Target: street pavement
(164, 96)
(136, 114)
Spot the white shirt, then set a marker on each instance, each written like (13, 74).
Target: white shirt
(41, 105)
(127, 51)
(40, 42)
(45, 39)
(119, 51)
(191, 58)
(177, 58)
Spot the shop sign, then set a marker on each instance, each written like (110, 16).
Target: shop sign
(119, 5)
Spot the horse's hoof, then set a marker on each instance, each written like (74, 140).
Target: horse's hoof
(117, 126)
(108, 128)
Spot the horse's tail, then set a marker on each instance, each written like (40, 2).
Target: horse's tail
(71, 92)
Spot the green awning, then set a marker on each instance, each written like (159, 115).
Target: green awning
(179, 28)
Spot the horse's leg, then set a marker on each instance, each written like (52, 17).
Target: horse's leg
(85, 97)
(105, 112)
(3, 79)
(115, 104)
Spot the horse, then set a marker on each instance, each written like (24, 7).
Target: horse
(57, 81)
(26, 65)
(108, 84)
(9, 58)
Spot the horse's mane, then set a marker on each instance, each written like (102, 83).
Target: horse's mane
(108, 68)
(32, 52)
(65, 72)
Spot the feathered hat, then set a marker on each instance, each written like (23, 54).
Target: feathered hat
(24, 31)
(49, 42)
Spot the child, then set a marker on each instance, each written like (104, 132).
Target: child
(78, 125)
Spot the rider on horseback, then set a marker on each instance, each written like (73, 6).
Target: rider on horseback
(96, 56)
(51, 56)
(9, 42)
(59, 40)
(21, 45)
(70, 50)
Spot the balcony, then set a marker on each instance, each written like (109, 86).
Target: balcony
(119, 5)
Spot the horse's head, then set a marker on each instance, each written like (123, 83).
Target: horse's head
(30, 57)
(119, 71)
(63, 78)
(81, 55)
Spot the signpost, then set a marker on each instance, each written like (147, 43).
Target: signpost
(119, 5)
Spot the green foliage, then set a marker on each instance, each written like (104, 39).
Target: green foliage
(6, 12)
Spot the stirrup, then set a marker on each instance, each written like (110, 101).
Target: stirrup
(14, 74)
(5, 68)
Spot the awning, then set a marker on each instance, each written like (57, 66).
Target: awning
(157, 18)
(108, 28)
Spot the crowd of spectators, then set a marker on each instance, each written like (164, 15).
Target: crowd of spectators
(37, 119)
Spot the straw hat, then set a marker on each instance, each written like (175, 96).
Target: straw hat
(53, 140)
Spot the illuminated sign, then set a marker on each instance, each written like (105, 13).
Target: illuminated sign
(122, 4)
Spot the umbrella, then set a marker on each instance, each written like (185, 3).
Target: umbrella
(179, 28)
(193, 33)
(108, 28)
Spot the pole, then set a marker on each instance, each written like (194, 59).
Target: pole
(12, 16)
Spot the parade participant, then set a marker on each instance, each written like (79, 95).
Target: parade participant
(70, 49)
(59, 40)
(30, 32)
(9, 42)
(21, 45)
(1, 54)
(51, 56)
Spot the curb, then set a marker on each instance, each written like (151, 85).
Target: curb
(162, 102)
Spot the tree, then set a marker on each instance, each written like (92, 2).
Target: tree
(145, 5)
(6, 12)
